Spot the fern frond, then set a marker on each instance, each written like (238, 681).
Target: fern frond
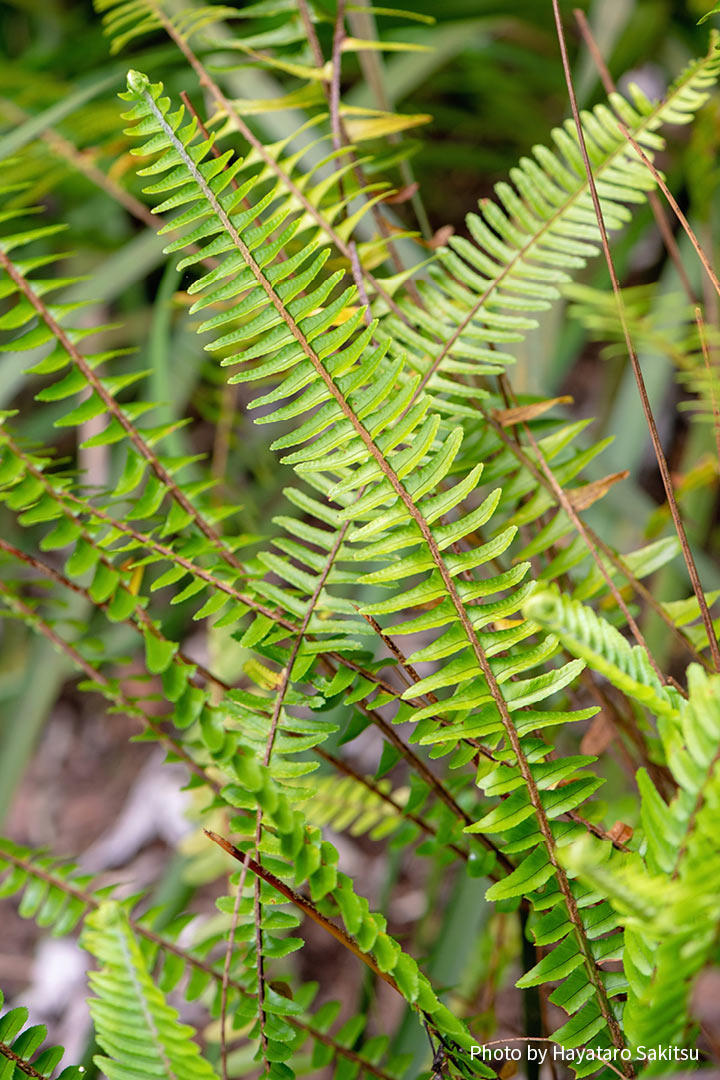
(134, 1025)
(588, 636)
(542, 229)
(364, 441)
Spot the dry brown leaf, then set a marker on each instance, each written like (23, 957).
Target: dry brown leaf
(402, 195)
(430, 604)
(620, 832)
(582, 497)
(440, 237)
(521, 413)
(598, 737)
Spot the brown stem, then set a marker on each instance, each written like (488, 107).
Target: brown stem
(434, 782)
(653, 200)
(338, 38)
(659, 213)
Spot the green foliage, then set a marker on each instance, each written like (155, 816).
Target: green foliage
(133, 1023)
(422, 504)
(676, 871)
(21, 1048)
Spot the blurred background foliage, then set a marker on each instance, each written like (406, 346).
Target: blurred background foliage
(487, 75)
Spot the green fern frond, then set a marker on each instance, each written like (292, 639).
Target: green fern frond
(134, 1025)
(383, 460)
(541, 230)
(585, 634)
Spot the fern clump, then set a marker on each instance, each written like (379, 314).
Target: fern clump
(430, 586)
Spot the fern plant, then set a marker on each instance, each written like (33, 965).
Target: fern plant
(425, 503)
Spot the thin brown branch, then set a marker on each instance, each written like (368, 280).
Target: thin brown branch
(408, 672)
(363, 26)
(338, 38)
(653, 200)
(657, 177)
(331, 90)
(311, 32)
(632, 353)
